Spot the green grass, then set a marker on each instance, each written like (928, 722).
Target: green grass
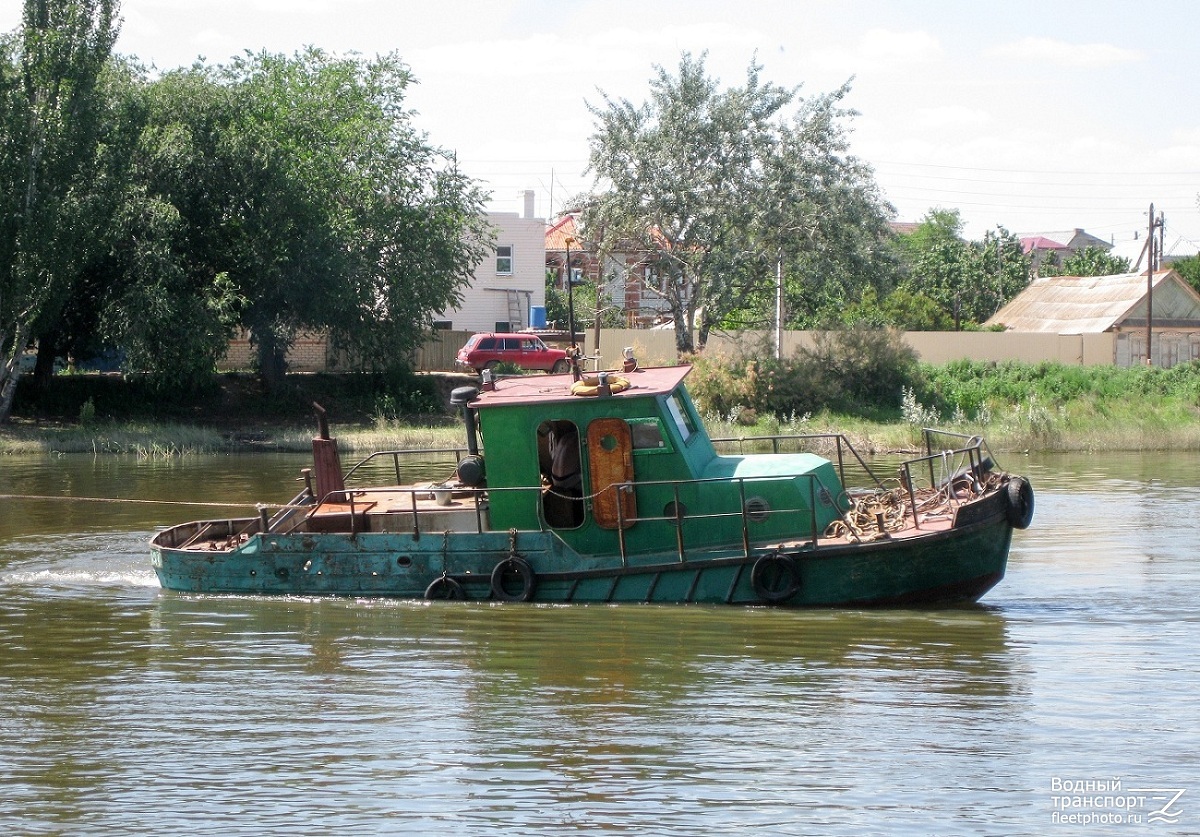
(147, 439)
(143, 439)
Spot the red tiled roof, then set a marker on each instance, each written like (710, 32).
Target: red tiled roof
(558, 232)
(1039, 242)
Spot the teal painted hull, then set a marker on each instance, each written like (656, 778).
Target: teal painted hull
(946, 566)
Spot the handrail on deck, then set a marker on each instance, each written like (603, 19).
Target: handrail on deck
(676, 520)
(976, 452)
(840, 442)
(976, 463)
(459, 453)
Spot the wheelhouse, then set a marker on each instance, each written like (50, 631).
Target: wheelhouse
(633, 471)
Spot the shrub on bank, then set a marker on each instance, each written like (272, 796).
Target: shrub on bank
(971, 387)
(858, 371)
(865, 375)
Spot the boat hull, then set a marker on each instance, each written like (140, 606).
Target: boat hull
(946, 566)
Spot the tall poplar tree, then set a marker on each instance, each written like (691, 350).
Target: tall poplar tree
(52, 126)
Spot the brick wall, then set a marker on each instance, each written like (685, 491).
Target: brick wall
(310, 352)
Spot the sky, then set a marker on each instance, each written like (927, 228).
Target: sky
(1035, 116)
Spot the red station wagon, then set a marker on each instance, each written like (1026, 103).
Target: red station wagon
(483, 351)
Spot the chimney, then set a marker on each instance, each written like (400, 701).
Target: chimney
(528, 203)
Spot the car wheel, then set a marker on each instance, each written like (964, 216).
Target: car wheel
(560, 366)
(491, 364)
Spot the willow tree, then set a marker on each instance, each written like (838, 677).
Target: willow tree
(52, 123)
(723, 191)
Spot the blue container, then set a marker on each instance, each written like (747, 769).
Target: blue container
(537, 316)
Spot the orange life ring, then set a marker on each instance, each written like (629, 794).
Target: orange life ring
(589, 385)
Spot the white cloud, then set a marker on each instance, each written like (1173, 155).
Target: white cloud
(884, 50)
(1062, 53)
(908, 47)
(950, 117)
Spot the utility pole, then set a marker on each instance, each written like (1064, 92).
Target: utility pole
(779, 304)
(1151, 265)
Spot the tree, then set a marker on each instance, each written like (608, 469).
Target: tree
(51, 171)
(901, 309)
(1094, 261)
(720, 189)
(307, 200)
(161, 303)
(970, 280)
(1189, 269)
(940, 226)
(822, 225)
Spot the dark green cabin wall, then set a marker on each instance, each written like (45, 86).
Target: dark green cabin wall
(509, 436)
(512, 463)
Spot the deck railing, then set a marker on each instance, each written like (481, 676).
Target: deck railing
(424, 454)
(809, 442)
(965, 461)
(350, 501)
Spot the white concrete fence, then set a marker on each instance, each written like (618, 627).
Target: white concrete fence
(657, 347)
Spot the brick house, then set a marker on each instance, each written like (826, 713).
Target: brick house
(622, 276)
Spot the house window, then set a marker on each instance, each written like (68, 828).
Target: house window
(504, 259)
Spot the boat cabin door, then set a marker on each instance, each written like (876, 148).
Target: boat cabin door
(610, 463)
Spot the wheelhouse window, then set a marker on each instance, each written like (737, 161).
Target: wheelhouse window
(504, 259)
(679, 412)
(648, 435)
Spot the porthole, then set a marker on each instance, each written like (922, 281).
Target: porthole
(757, 509)
(404, 561)
(669, 510)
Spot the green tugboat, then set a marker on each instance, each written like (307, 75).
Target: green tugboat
(610, 490)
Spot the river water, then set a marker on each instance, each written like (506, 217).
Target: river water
(1066, 703)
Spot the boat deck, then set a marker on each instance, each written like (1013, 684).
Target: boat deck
(402, 509)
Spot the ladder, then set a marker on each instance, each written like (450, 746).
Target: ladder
(516, 311)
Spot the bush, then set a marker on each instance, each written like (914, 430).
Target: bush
(859, 371)
(971, 386)
(233, 399)
(724, 386)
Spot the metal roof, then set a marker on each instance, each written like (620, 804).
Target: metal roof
(1081, 304)
(558, 233)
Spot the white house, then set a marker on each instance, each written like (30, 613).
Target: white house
(508, 281)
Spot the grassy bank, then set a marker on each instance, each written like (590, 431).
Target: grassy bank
(148, 439)
(1027, 427)
(1042, 407)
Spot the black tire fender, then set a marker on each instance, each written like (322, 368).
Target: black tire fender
(775, 578)
(1019, 502)
(506, 569)
(444, 587)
